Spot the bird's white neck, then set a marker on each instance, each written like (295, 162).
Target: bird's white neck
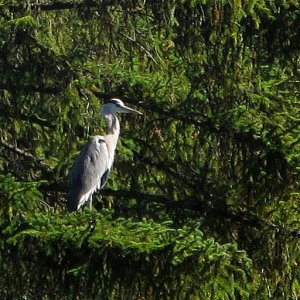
(113, 132)
(113, 124)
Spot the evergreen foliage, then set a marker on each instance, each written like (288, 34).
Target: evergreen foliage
(203, 201)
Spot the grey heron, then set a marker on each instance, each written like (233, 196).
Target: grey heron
(92, 167)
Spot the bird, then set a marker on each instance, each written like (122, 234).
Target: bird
(91, 168)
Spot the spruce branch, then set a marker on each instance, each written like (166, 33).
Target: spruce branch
(189, 203)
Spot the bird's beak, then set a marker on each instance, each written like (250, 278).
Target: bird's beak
(127, 110)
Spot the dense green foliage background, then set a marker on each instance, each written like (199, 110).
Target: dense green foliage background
(203, 201)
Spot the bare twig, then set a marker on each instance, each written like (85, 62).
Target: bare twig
(17, 150)
(56, 5)
(30, 88)
(140, 46)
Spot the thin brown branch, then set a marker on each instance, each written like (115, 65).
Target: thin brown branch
(257, 222)
(31, 88)
(134, 41)
(21, 152)
(56, 5)
(142, 196)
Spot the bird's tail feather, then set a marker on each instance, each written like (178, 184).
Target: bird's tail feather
(72, 200)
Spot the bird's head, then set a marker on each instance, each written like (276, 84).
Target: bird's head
(115, 105)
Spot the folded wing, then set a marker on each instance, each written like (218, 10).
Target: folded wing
(89, 172)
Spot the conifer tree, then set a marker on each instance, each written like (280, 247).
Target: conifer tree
(203, 199)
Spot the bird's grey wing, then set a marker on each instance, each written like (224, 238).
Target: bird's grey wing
(89, 171)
